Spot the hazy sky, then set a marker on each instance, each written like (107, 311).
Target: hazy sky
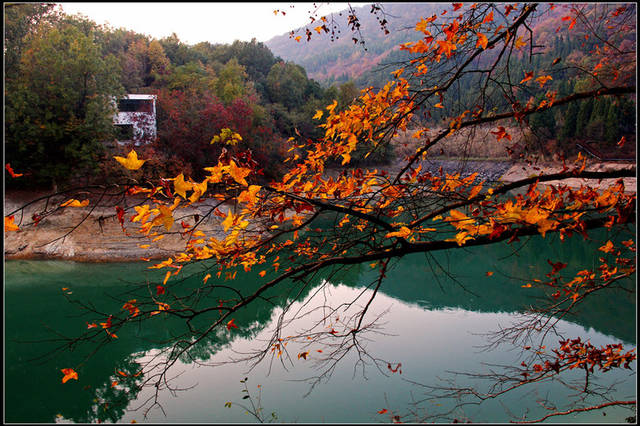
(196, 22)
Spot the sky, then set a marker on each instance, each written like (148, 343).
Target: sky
(212, 22)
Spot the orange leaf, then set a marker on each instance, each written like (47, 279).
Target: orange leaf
(489, 273)
(527, 76)
(488, 18)
(482, 40)
(75, 203)
(607, 248)
(9, 225)
(303, 355)
(69, 374)
(262, 273)
(383, 411)
(206, 278)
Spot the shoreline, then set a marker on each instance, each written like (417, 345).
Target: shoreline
(100, 237)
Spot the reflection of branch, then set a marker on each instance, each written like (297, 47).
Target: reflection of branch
(577, 410)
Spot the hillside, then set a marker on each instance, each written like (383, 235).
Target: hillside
(343, 59)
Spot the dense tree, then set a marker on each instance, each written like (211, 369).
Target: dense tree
(59, 109)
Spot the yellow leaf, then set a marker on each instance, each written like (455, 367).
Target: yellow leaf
(543, 79)
(461, 238)
(238, 173)
(228, 222)
(402, 233)
(165, 217)
(318, 115)
(249, 195)
(131, 162)
(181, 187)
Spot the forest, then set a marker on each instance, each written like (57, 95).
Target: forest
(61, 72)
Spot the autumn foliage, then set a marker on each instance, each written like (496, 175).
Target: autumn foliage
(270, 225)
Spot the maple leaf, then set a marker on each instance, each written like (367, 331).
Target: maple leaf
(383, 411)
(120, 215)
(69, 374)
(489, 273)
(92, 325)
(11, 172)
(231, 324)
(75, 203)
(543, 79)
(131, 162)
(160, 289)
(482, 40)
(229, 221)
(520, 43)
(9, 225)
(488, 18)
(456, 6)
(303, 355)
(501, 133)
(165, 217)
(446, 47)
(527, 76)
(607, 248)
(181, 187)
(461, 238)
(402, 233)
(238, 173)
(555, 267)
(250, 195)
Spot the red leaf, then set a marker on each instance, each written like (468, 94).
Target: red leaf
(120, 214)
(11, 172)
(231, 324)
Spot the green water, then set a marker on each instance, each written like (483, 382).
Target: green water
(428, 322)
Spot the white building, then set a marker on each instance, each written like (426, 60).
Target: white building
(135, 120)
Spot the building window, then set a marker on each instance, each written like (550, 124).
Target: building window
(124, 132)
(135, 105)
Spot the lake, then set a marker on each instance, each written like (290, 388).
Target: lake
(429, 323)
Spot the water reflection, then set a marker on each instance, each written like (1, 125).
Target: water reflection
(431, 326)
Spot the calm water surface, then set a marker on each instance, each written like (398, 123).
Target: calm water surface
(427, 322)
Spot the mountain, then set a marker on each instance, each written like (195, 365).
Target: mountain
(343, 58)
